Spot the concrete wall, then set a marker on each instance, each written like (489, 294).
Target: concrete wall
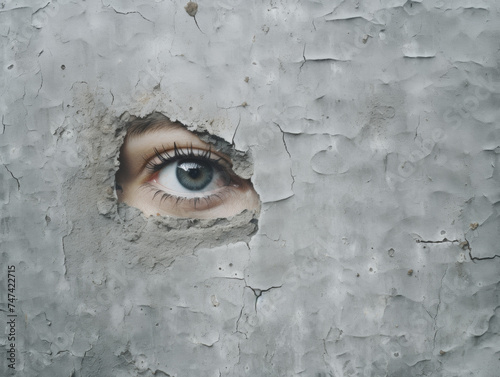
(374, 133)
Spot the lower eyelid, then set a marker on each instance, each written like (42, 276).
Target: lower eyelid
(198, 203)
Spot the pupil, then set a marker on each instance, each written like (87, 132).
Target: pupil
(194, 175)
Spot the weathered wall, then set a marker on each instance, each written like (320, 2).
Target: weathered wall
(375, 142)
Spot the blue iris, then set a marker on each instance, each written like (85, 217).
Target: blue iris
(194, 174)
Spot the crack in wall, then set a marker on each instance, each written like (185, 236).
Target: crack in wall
(258, 292)
(64, 254)
(303, 57)
(17, 180)
(192, 9)
(437, 308)
(236, 130)
(283, 138)
(41, 8)
(126, 13)
(466, 245)
(416, 129)
(288, 152)
(41, 83)
(444, 240)
(238, 321)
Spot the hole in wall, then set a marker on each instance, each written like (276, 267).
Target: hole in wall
(182, 180)
(166, 170)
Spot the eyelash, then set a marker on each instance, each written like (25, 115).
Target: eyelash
(164, 196)
(181, 153)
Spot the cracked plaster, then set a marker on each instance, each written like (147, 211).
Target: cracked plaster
(373, 130)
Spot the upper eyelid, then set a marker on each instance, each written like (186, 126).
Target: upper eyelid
(203, 153)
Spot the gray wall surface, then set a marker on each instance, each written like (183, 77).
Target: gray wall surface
(374, 132)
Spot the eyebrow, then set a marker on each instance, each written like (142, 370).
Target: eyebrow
(154, 122)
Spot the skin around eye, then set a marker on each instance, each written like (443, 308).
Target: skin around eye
(167, 170)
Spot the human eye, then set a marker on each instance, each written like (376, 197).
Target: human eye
(170, 171)
(187, 174)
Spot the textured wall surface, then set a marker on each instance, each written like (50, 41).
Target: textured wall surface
(375, 137)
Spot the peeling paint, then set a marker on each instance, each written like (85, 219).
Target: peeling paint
(369, 130)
